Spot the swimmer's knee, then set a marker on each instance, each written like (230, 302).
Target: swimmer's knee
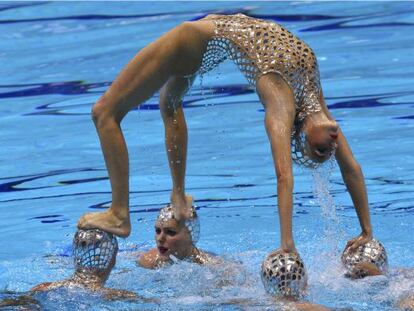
(185, 27)
(171, 98)
(102, 114)
(168, 109)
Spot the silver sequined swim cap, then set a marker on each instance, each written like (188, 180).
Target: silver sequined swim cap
(94, 249)
(284, 274)
(192, 224)
(371, 252)
(298, 150)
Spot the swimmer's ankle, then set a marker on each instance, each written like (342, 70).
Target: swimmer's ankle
(288, 246)
(178, 199)
(119, 212)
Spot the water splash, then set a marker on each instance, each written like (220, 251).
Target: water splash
(321, 190)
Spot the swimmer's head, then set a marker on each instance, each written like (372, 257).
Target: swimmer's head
(316, 141)
(175, 237)
(369, 259)
(284, 275)
(94, 252)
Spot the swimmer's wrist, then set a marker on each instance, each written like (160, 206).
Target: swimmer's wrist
(367, 231)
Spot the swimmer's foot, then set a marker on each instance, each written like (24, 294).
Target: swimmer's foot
(182, 205)
(107, 221)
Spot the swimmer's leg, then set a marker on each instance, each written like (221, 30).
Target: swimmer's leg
(176, 137)
(178, 52)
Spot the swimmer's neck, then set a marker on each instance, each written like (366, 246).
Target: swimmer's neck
(88, 279)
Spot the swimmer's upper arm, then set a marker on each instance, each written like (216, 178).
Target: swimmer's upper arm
(47, 286)
(147, 260)
(278, 100)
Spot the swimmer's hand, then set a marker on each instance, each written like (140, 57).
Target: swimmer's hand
(356, 242)
(182, 206)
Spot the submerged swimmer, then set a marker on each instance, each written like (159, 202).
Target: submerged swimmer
(404, 300)
(370, 260)
(407, 303)
(94, 257)
(284, 276)
(176, 239)
(284, 71)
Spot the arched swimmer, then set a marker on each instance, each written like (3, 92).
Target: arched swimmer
(284, 71)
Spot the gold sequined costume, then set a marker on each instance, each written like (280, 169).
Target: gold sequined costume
(259, 47)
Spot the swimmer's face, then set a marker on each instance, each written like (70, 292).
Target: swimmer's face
(321, 141)
(172, 239)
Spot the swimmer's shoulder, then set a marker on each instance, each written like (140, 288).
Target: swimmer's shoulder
(207, 258)
(148, 259)
(46, 286)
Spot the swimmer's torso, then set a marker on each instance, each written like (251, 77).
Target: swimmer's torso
(259, 47)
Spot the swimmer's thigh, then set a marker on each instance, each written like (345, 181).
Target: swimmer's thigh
(148, 71)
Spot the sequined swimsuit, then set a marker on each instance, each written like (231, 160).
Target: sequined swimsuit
(259, 47)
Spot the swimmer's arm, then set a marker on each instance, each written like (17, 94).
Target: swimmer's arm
(21, 301)
(354, 180)
(148, 260)
(279, 118)
(47, 286)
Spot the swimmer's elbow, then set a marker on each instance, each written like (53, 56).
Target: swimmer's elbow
(284, 179)
(352, 170)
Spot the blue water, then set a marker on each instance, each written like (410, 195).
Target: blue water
(57, 58)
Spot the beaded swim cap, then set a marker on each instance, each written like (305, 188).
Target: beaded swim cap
(94, 249)
(192, 224)
(371, 252)
(284, 274)
(299, 154)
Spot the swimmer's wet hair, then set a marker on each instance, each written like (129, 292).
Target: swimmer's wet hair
(94, 249)
(192, 224)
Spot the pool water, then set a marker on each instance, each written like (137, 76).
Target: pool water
(57, 58)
